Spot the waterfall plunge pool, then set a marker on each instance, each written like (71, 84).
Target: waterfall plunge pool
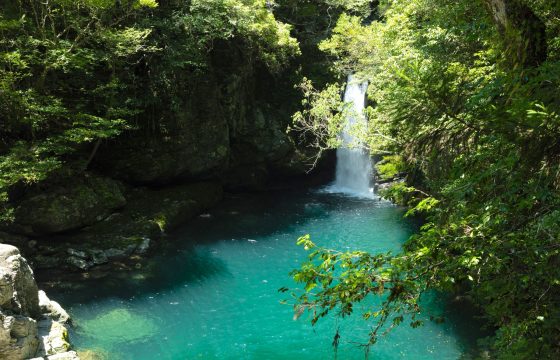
(212, 292)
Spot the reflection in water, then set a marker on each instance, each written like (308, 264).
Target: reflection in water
(212, 293)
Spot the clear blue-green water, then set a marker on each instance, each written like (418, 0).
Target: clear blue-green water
(212, 291)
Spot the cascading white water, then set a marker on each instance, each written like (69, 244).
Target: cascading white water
(353, 164)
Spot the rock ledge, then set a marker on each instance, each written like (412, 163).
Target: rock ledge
(31, 325)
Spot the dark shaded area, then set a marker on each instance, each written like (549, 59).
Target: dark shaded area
(179, 260)
(523, 33)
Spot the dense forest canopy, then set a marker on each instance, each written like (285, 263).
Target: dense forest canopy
(464, 100)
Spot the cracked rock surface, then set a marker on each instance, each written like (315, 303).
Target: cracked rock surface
(31, 325)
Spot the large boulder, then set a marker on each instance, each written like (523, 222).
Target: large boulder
(131, 232)
(89, 199)
(18, 290)
(18, 337)
(52, 308)
(53, 337)
(30, 323)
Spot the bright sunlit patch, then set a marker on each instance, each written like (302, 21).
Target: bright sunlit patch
(119, 325)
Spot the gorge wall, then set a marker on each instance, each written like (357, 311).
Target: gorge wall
(226, 132)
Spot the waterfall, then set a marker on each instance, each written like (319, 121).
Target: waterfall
(353, 164)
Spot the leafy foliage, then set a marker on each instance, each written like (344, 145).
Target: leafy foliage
(335, 281)
(322, 119)
(75, 73)
(391, 167)
(478, 126)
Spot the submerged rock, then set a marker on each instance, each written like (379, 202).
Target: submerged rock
(143, 246)
(130, 233)
(79, 263)
(98, 257)
(115, 253)
(77, 253)
(121, 325)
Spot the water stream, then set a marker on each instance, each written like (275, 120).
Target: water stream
(212, 292)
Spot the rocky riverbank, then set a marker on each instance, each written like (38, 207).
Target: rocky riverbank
(117, 238)
(98, 225)
(32, 325)
(90, 229)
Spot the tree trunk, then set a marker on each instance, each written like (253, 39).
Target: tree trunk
(523, 33)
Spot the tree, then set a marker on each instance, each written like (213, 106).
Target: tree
(479, 126)
(74, 73)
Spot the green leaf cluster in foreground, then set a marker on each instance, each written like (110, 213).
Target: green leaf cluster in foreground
(467, 101)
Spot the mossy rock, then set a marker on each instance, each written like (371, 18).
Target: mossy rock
(83, 201)
(136, 228)
(173, 206)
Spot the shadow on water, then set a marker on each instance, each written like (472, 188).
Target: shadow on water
(459, 316)
(183, 257)
(189, 265)
(211, 292)
(253, 216)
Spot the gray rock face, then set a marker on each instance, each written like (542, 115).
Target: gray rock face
(18, 337)
(18, 290)
(30, 323)
(90, 199)
(69, 355)
(258, 144)
(217, 134)
(52, 308)
(259, 139)
(53, 338)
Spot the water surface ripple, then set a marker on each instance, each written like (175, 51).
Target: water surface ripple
(212, 293)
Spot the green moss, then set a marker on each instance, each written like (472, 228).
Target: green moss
(161, 221)
(85, 201)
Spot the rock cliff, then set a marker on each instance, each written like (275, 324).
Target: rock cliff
(224, 131)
